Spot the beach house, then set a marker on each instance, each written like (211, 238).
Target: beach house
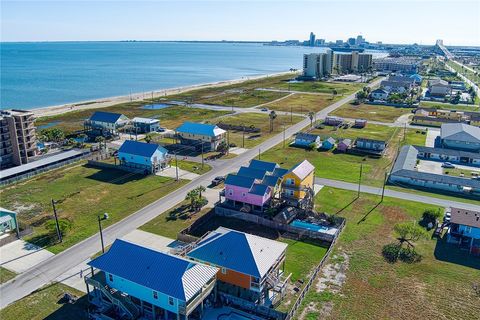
(145, 125)
(105, 123)
(344, 144)
(306, 140)
(250, 267)
(141, 156)
(379, 94)
(328, 143)
(439, 88)
(200, 135)
(297, 184)
(370, 144)
(131, 281)
(464, 229)
(8, 222)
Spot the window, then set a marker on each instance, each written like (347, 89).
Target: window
(110, 277)
(289, 192)
(468, 229)
(224, 270)
(243, 194)
(290, 181)
(170, 301)
(155, 295)
(230, 192)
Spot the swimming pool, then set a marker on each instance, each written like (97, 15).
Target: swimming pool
(308, 226)
(156, 106)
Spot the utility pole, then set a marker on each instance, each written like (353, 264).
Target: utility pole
(258, 153)
(105, 217)
(291, 114)
(202, 154)
(360, 180)
(176, 165)
(228, 142)
(384, 183)
(243, 136)
(59, 234)
(284, 135)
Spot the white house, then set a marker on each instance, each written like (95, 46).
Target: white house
(199, 134)
(136, 155)
(105, 122)
(379, 94)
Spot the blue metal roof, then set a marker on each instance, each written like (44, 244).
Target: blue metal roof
(270, 181)
(102, 116)
(141, 148)
(251, 173)
(263, 165)
(152, 269)
(258, 189)
(197, 128)
(239, 181)
(279, 172)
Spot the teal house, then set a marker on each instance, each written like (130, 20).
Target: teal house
(133, 282)
(149, 157)
(8, 221)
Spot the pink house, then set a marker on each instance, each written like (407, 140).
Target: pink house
(344, 145)
(242, 189)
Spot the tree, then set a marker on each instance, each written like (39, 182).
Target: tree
(310, 115)
(192, 196)
(334, 93)
(223, 147)
(409, 233)
(272, 115)
(63, 224)
(101, 140)
(148, 138)
(200, 189)
(83, 137)
(431, 216)
(52, 134)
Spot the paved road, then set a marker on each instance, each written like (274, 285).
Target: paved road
(396, 194)
(52, 268)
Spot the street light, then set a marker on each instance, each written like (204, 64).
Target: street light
(104, 217)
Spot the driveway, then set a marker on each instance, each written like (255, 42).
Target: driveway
(432, 134)
(430, 167)
(182, 174)
(19, 256)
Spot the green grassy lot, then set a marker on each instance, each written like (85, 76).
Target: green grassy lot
(457, 172)
(169, 224)
(340, 166)
(242, 99)
(371, 112)
(258, 120)
(414, 137)
(82, 192)
(194, 167)
(170, 117)
(467, 73)
(449, 106)
(46, 303)
(303, 103)
(319, 86)
(375, 289)
(6, 275)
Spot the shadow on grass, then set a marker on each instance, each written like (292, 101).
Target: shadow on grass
(449, 252)
(70, 310)
(44, 240)
(347, 205)
(368, 213)
(183, 150)
(114, 176)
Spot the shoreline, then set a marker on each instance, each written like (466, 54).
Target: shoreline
(139, 96)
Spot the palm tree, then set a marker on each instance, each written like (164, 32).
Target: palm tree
(310, 115)
(272, 115)
(82, 137)
(192, 196)
(101, 139)
(200, 189)
(334, 93)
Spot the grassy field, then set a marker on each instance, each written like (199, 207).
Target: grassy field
(375, 289)
(371, 112)
(258, 120)
(466, 72)
(82, 192)
(319, 86)
(303, 103)
(448, 106)
(243, 98)
(170, 223)
(340, 166)
(46, 303)
(170, 117)
(194, 167)
(6, 275)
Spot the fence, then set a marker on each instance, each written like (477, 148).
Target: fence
(302, 233)
(251, 307)
(38, 171)
(247, 129)
(305, 289)
(185, 236)
(391, 104)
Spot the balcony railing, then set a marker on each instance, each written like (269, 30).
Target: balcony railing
(192, 304)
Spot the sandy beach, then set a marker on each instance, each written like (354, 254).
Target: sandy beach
(107, 102)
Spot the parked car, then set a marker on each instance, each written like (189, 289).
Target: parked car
(447, 217)
(448, 165)
(264, 109)
(217, 180)
(161, 129)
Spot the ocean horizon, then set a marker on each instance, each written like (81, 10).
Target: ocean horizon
(42, 74)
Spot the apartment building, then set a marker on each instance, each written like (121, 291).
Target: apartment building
(17, 138)
(401, 64)
(319, 65)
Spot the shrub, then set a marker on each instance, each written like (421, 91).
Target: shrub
(431, 216)
(408, 255)
(391, 252)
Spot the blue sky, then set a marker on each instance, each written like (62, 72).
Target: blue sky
(421, 21)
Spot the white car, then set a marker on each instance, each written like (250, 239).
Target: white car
(447, 216)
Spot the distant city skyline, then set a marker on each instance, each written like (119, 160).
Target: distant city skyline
(390, 21)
